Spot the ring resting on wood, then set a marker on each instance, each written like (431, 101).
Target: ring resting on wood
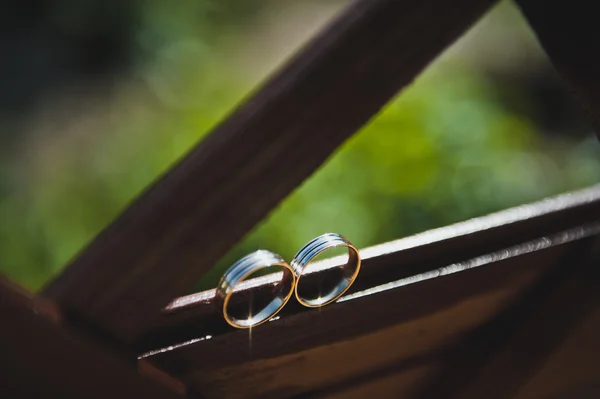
(309, 253)
(243, 269)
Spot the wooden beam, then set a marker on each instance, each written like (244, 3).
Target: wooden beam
(568, 30)
(40, 359)
(560, 370)
(180, 227)
(391, 328)
(499, 358)
(195, 315)
(572, 370)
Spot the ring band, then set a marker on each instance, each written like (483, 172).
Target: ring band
(310, 251)
(244, 268)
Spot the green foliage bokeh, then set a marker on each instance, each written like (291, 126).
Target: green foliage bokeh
(445, 150)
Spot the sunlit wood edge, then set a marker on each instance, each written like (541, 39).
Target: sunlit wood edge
(502, 218)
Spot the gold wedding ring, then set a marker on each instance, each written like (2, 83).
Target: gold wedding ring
(340, 282)
(280, 285)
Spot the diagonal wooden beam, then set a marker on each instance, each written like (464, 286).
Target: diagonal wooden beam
(176, 231)
(569, 32)
(40, 359)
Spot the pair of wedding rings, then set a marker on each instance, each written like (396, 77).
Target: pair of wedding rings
(275, 289)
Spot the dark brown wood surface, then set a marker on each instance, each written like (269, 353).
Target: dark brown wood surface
(176, 231)
(195, 315)
(414, 330)
(569, 32)
(499, 358)
(572, 369)
(41, 359)
(520, 352)
(418, 326)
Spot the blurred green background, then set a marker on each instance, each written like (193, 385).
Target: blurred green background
(82, 130)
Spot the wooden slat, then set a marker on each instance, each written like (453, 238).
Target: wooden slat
(195, 315)
(500, 357)
(312, 355)
(182, 225)
(415, 324)
(399, 384)
(568, 30)
(573, 369)
(572, 372)
(39, 359)
(561, 335)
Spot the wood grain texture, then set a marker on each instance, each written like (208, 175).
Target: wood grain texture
(569, 312)
(532, 363)
(572, 370)
(399, 384)
(568, 30)
(394, 338)
(501, 356)
(355, 343)
(180, 227)
(195, 315)
(40, 359)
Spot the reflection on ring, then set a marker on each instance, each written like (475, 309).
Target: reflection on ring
(240, 308)
(340, 279)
